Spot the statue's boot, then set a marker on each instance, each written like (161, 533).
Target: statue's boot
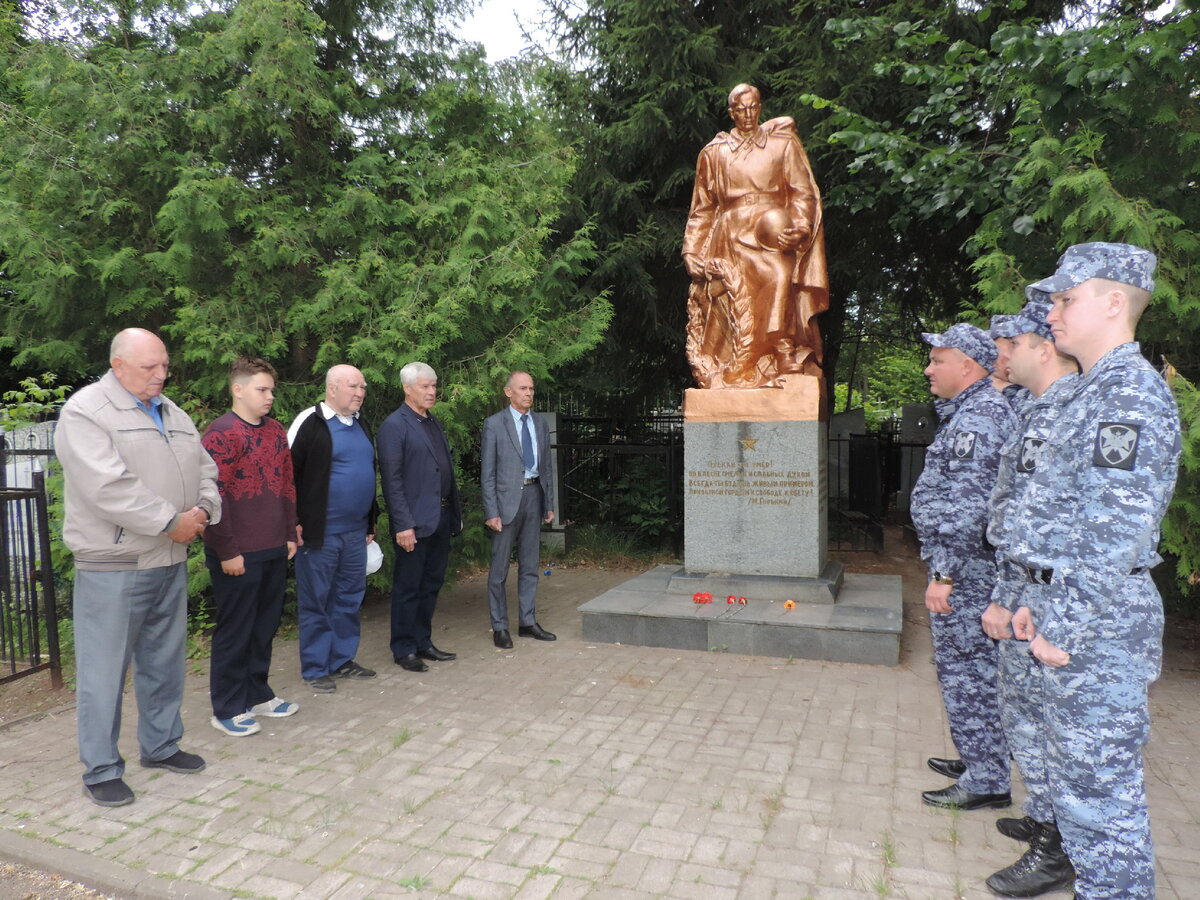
(1044, 867)
(789, 360)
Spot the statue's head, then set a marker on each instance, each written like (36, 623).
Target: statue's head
(745, 107)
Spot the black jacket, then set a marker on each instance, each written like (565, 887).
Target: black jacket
(312, 459)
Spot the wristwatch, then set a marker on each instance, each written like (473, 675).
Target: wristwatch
(939, 578)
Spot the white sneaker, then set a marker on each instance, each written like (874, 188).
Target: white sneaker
(241, 725)
(275, 708)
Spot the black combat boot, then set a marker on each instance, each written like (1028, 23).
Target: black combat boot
(1022, 829)
(1043, 868)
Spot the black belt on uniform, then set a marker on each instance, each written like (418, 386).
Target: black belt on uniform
(1044, 576)
(533, 480)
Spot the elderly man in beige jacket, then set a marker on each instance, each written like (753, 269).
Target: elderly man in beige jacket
(139, 488)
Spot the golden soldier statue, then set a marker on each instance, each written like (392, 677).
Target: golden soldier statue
(755, 249)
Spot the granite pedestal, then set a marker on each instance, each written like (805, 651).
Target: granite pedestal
(755, 513)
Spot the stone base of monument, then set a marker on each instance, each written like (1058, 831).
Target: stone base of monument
(822, 588)
(755, 512)
(863, 626)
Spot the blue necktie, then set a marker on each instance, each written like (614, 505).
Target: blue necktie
(526, 444)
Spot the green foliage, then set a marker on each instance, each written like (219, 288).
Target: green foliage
(647, 89)
(892, 377)
(35, 400)
(641, 500)
(1181, 527)
(276, 177)
(1045, 134)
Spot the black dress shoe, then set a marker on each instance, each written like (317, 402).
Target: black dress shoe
(951, 768)
(1021, 829)
(502, 639)
(957, 797)
(537, 632)
(433, 654)
(411, 663)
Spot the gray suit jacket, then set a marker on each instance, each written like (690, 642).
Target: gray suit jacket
(504, 473)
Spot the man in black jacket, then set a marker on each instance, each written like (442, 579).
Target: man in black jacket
(333, 459)
(425, 511)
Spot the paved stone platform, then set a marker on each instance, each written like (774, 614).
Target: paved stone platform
(566, 770)
(862, 626)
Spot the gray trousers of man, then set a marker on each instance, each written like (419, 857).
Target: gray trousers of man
(525, 530)
(140, 615)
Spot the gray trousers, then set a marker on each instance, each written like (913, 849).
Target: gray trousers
(139, 615)
(525, 531)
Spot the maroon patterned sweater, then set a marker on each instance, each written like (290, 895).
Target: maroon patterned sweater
(258, 495)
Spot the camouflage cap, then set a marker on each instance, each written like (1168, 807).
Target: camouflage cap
(1123, 263)
(970, 340)
(1032, 319)
(1003, 327)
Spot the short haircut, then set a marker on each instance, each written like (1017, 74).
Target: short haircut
(414, 371)
(1139, 298)
(246, 367)
(1064, 360)
(513, 374)
(744, 89)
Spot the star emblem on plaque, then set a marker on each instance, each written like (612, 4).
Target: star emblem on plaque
(748, 443)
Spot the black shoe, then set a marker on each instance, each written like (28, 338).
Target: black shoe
(951, 768)
(323, 684)
(502, 639)
(433, 654)
(537, 632)
(109, 793)
(352, 669)
(956, 797)
(1018, 829)
(411, 663)
(1044, 867)
(179, 762)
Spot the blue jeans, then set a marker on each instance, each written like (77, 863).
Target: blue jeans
(330, 584)
(139, 614)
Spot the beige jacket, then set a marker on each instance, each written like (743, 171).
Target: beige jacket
(126, 482)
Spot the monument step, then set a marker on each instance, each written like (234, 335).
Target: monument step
(862, 626)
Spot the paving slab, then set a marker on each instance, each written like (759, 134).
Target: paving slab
(572, 769)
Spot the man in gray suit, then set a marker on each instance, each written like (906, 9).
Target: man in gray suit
(518, 495)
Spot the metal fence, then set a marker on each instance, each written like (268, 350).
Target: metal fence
(28, 612)
(628, 473)
(625, 473)
(870, 479)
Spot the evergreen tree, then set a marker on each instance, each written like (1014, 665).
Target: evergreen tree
(647, 89)
(280, 178)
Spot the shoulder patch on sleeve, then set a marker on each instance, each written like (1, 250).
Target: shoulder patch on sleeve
(1116, 445)
(1031, 453)
(964, 445)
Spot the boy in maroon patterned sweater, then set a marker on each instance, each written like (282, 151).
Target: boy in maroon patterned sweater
(247, 553)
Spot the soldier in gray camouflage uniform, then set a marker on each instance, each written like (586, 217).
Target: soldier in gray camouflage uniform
(1086, 532)
(1048, 379)
(950, 512)
(1001, 331)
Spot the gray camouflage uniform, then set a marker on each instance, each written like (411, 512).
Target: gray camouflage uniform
(1088, 528)
(950, 512)
(1020, 673)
